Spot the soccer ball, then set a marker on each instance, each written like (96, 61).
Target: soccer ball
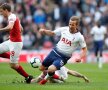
(35, 62)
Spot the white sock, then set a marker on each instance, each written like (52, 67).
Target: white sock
(96, 59)
(100, 62)
(47, 76)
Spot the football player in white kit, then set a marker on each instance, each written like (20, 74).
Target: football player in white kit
(98, 31)
(14, 44)
(70, 39)
(62, 73)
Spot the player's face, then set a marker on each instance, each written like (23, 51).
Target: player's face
(3, 12)
(72, 25)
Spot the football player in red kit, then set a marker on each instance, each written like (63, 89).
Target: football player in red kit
(14, 44)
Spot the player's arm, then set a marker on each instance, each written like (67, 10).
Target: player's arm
(47, 32)
(83, 52)
(37, 79)
(40, 77)
(21, 28)
(74, 73)
(8, 27)
(77, 74)
(83, 46)
(82, 55)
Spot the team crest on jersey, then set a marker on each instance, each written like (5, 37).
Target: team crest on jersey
(66, 41)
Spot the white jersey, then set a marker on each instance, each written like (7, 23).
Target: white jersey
(98, 32)
(68, 41)
(62, 72)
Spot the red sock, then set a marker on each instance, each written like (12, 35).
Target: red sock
(5, 55)
(21, 71)
(42, 82)
(55, 76)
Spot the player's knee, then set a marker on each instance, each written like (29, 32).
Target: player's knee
(14, 66)
(96, 53)
(52, 68)
(101, 54)
(51, 73)
(42, 68)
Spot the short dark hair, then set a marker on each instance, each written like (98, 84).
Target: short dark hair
(75, 18)
(6, 6)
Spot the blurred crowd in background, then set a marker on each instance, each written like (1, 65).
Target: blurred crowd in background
(51, 14)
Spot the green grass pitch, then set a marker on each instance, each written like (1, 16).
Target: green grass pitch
(9, 79)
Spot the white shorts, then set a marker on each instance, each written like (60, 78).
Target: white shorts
(62, 72)
(14, 48)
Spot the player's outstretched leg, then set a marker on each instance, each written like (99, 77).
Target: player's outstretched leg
(5, 55)
(22, 72)
(28, 79)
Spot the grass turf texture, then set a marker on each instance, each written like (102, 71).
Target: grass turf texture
(10, 80)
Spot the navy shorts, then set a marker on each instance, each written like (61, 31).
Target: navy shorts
(98, 46)
(55, 58)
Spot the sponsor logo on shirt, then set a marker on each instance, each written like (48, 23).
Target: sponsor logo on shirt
(66, 41)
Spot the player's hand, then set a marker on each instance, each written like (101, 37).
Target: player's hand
(78, 60)
(42, 31)
(86, 79)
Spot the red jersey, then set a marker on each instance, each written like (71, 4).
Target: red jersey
(15, 32)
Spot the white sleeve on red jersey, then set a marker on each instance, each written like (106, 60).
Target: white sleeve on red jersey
(12, 18)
